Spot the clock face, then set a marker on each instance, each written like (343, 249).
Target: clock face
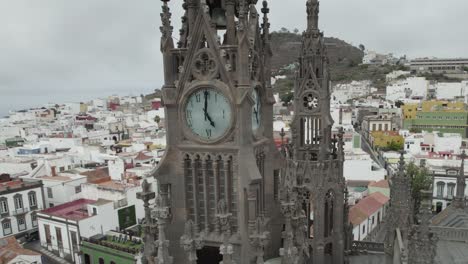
(208, 114)
(256, 110)
(310, 101)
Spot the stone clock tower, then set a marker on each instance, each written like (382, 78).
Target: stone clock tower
(220, 153)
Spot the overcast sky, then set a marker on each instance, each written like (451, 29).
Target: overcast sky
(64, 50)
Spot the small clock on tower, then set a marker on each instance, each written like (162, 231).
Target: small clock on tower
(208, 114)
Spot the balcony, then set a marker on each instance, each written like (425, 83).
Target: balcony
(20, 211)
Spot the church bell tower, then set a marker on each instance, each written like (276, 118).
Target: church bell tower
(314, 171)
(220, 150)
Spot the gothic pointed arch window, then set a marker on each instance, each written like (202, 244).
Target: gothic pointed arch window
(328, 215)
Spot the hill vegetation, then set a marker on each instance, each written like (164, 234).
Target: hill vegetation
(345, 62)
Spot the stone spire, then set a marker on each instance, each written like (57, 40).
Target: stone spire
(166, 27)
(259, 239)
(224, 219)
(422, 245)
(401, 205)
(162, 213)
(459, 200)
(312, 14)
(146, 195)
(289, 252)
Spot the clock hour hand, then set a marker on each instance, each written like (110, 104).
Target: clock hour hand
(209, 119)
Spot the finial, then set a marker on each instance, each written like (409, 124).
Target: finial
(166, 28)
(265, 9)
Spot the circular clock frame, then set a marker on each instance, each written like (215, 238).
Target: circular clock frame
(212, 85)
(310, 101)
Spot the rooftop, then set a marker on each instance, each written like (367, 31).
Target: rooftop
(380, 184)
(10, 249)
(18, 184)
(366, 207)
(76, 210)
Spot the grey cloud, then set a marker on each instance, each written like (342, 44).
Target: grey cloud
(81, 49)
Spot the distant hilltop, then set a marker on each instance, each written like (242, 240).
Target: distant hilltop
(286, 47)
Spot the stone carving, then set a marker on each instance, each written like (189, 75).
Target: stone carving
(259, 239)
(149, 227)
(204, 66)
(191, 242)
(162, 214)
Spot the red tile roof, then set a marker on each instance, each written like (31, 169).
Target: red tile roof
(380, 184)
(356, 216)
(18, 184)
(97, 175)
(10, 249)
(76, 210)
(142, 156)
(368, 206)
(381, 198)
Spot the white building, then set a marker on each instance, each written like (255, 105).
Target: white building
(360, 161)
(19, 202)
(367, 215)
(410, 88)
(62, 227)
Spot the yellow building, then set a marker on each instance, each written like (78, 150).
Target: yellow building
(409, 111)
(387, 140)
(442, 106)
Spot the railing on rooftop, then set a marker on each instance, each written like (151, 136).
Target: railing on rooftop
(357, 246)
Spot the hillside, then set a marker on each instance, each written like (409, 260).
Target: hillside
(286, 47)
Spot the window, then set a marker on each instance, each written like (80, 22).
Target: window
(3, 207)
(78, 189)
(49, 193)
(440, 189)
(51, 205)
(87, 259)
(34, 219)
(364, 229)
(47, 234)
(373, 220)
(74, 241)
(6, 224)
(58, 234)
(18, 201)
(32, 199)
(101, 261)
(450, 190)
(21, 223)
(94, 211)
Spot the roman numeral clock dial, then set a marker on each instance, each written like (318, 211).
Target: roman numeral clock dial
(208, 114)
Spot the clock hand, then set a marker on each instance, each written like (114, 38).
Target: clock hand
(205, 110)
(256, 114)
(209, 119)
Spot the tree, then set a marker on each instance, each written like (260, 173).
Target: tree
(287, 98)
(465, 68)
(420, 180)
(284, 30)
(362, 47)
(296, 31)
(157, 119)
(395, 146)
(399, 104)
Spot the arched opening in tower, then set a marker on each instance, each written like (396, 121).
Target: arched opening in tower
(209, 255)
